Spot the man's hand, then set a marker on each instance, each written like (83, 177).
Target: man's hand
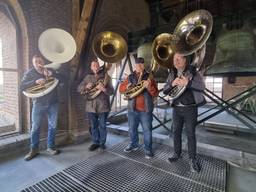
(180, 81)
(147, 83)
(175, 82)
(88, 86)
(82, 90)
(101, 87)
(47, 73)
(129, 86)
(41, 81)
(183, 81)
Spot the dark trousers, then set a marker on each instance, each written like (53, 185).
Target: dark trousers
(188, 116)
(98, 127)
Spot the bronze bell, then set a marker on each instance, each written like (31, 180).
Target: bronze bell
(235, 54)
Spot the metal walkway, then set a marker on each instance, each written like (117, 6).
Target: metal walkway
(114, 170)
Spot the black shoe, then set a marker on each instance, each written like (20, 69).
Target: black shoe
(174, 158)
(194, 165)
(102, 146)
(149, 155)
(93, 147)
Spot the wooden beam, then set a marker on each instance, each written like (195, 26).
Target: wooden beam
(75, 16)
(80, 37)
(82, 29)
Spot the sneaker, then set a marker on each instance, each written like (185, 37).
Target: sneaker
(149, 155)
(174, 158)
(93, 147)
(32, 153)
(130, 148)
(52, 151)
(194, 165)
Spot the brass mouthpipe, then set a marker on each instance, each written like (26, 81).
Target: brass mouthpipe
(39, 87)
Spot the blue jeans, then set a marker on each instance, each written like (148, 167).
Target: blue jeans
(38, 111)
(145, 118)
(98, 127)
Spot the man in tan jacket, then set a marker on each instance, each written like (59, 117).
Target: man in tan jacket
(97, 108)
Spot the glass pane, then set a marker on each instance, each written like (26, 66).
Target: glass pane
(217, 80)
(8, 43)
(9, 102)
(208, 79)
(214, 84)
(1, 54)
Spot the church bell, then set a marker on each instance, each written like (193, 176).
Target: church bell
(235, 54)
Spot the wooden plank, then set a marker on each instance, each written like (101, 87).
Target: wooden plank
(75, 16)
(82, 29)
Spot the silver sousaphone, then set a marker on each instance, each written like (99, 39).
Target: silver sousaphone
(189, 38)
(57, 46)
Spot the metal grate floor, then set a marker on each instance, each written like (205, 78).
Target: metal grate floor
(115, 170)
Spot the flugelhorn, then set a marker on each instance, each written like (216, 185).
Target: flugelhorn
(109, 47)
(57, 46)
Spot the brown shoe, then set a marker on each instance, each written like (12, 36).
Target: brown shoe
(32, 153)
(53, 151)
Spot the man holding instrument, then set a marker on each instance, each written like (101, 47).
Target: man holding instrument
(97, 107)
(140, 108)
(47, 104)
(185, 107)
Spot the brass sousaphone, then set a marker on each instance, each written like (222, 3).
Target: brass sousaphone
(109, 47)
(57, 46)
(189, 38)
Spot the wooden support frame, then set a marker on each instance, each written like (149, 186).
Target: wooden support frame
(82, 29)
(75, 16)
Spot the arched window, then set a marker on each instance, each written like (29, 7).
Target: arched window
(9, 74)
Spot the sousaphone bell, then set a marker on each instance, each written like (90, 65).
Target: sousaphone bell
(109, 47)
(57, 46)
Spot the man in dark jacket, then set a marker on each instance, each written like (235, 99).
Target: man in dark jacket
(47, 104)
(185, 107)
(97, 108)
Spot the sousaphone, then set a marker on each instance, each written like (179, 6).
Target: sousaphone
(57, 46)
(189, 38)
(110, 47)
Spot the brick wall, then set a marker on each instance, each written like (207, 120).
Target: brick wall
(10, 107)
(241, 84)
(41, 15)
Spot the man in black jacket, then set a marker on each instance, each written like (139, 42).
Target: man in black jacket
(47, 104)
(185, 107)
